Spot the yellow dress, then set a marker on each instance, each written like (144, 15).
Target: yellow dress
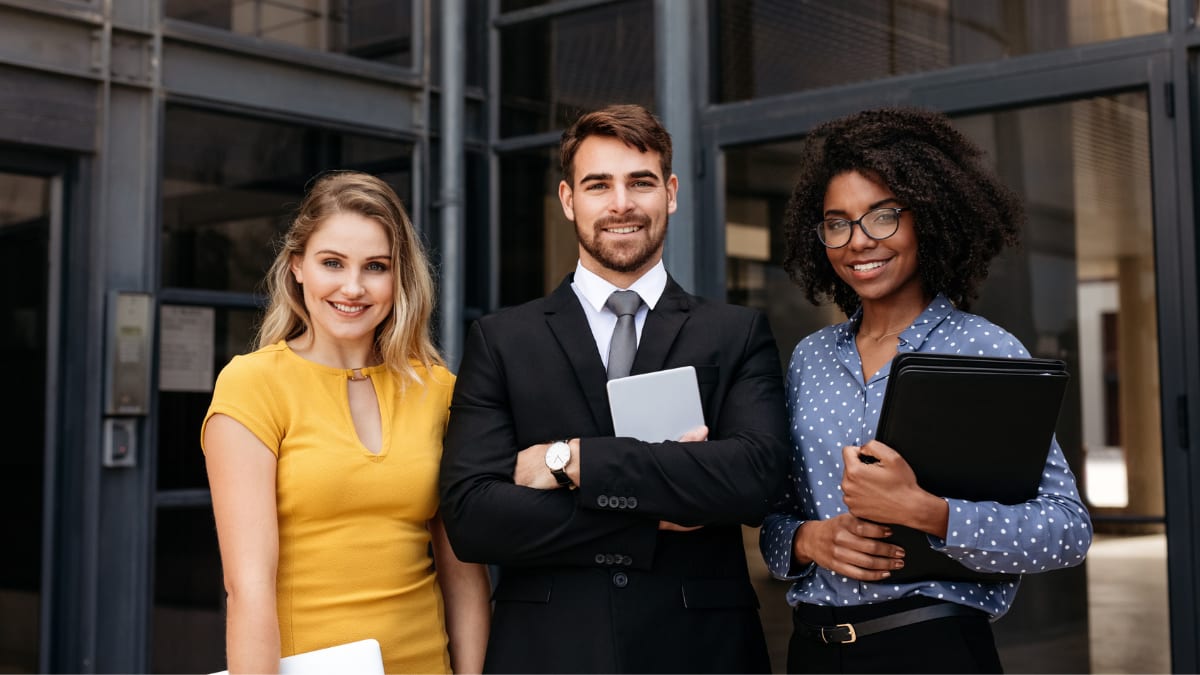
(354, 551)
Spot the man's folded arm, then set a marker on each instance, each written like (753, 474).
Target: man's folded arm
(730, 478)
(491, 520)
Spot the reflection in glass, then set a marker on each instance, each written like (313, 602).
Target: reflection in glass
(475, 13)
(379, 30)
(188, 634)
(1080, 289)
(25, 240)
(180, 413)
(230, 184)
(537, 243)
(771, 47)
(514, 5)
(552, 70)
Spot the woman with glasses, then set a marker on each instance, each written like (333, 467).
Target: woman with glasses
(896, 220)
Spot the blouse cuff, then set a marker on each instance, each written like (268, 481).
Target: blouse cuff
(963, 527)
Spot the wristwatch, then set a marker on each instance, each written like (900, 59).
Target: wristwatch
(558, 456)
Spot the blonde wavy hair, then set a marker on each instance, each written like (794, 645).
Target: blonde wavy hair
(404, 335)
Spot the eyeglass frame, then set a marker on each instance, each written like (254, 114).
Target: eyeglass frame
(820, 226)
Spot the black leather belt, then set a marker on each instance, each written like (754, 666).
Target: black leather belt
(846, 633)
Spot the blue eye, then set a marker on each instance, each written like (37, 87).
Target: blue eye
(332, 263)
(377, 267)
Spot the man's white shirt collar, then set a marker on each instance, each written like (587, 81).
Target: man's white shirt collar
(596, 289)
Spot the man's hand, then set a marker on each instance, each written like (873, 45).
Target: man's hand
(877, 484)
(531, 470)
(848, 546)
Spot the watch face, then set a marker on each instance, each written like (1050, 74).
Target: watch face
(557, 455)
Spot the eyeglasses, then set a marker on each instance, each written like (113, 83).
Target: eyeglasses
(878, 224)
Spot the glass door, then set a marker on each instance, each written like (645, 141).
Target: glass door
(26, 209)
(1082, 289)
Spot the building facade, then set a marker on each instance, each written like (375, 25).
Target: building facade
(151, 151)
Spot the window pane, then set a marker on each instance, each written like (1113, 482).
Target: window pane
(537, 242)
(1081, 289)
(231, 183)
(552, 70)
(181, 412)
(379, 30)
(188, 632)
(475, 15)
(514, 5)
(25, 240)
(771, 47)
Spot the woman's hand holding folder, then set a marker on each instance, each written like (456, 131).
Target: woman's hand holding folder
(879, 485)
(849, 546)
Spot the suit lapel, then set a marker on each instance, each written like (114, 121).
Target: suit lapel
(570, 327)
(662, 326)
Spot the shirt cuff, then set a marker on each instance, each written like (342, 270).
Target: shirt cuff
(785, 566)
(963, 527)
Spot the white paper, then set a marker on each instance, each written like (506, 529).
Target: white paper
(185, 354)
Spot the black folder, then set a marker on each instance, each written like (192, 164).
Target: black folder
(974, 428)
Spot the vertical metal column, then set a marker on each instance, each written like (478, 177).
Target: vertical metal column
(450, 195)
(675, 27)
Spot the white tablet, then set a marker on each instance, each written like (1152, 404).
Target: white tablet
(655, 407)
(363, 657)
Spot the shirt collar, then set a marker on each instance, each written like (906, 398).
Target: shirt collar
(911, 338)
(596, 289)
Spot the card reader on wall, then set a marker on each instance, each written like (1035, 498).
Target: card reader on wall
(120, 441)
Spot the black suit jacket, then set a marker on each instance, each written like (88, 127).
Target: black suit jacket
(588, 583)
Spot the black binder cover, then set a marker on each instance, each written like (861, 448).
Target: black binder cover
(973, 428)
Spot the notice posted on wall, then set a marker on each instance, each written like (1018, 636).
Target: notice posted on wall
(186, 348)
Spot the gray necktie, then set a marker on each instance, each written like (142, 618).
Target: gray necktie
(624, 338)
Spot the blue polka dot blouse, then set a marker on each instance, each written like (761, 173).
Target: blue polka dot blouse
(830, 406)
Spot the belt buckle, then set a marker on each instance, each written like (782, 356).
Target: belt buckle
(848, 627)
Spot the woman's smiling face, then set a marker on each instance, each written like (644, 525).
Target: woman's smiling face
(346, 274)
(879, 270)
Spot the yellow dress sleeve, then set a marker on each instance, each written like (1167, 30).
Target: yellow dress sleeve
(243, 391)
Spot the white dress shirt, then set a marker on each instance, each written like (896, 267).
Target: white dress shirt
(593, 292)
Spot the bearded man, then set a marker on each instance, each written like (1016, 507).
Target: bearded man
(615, 555)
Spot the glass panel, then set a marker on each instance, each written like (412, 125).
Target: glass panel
(537, 242)
(379, 30)
(476, 265)
(230, 184)
(25, 240)
(475, 19)
(771, 47)
(1081, 289)
(188, 632)
(182, 407)
(553, 69)
(514, 5)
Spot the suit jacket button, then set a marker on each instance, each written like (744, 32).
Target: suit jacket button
(609, 559)
(633, 502)
(622, 502)
(599, 558)
(602, 501)
(620, 580)
(625, 560)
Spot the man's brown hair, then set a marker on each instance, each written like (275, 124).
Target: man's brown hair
(631, 124)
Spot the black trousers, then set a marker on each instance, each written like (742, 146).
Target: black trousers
(955, 644)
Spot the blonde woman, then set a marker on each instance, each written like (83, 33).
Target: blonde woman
(322, 448)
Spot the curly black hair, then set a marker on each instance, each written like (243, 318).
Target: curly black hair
(964, 216)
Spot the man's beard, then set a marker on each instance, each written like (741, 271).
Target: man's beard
(622, 260)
